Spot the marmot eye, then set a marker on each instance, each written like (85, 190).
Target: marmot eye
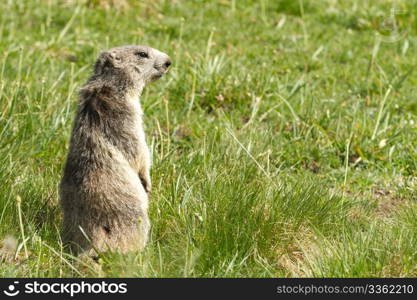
(142, 54)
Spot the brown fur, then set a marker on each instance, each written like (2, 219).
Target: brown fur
(105, 185)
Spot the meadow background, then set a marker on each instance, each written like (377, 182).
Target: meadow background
(284, 137)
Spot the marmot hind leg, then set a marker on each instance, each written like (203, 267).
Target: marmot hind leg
(98, 238)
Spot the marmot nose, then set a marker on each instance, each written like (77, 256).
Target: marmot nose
(167, 63)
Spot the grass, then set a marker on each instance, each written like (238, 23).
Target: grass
(284, 139)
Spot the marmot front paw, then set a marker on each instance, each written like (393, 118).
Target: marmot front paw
(146, 183)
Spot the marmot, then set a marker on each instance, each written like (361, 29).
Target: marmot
(106, 179)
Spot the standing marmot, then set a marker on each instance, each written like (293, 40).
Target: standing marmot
(106, 179)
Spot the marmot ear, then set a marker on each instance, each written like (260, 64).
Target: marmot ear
(107, 59)
(114, 58)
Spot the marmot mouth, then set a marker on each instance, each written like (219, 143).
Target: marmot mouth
(157, 76)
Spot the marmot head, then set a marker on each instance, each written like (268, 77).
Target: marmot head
(138, 64)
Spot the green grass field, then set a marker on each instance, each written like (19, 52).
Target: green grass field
(284, 138)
